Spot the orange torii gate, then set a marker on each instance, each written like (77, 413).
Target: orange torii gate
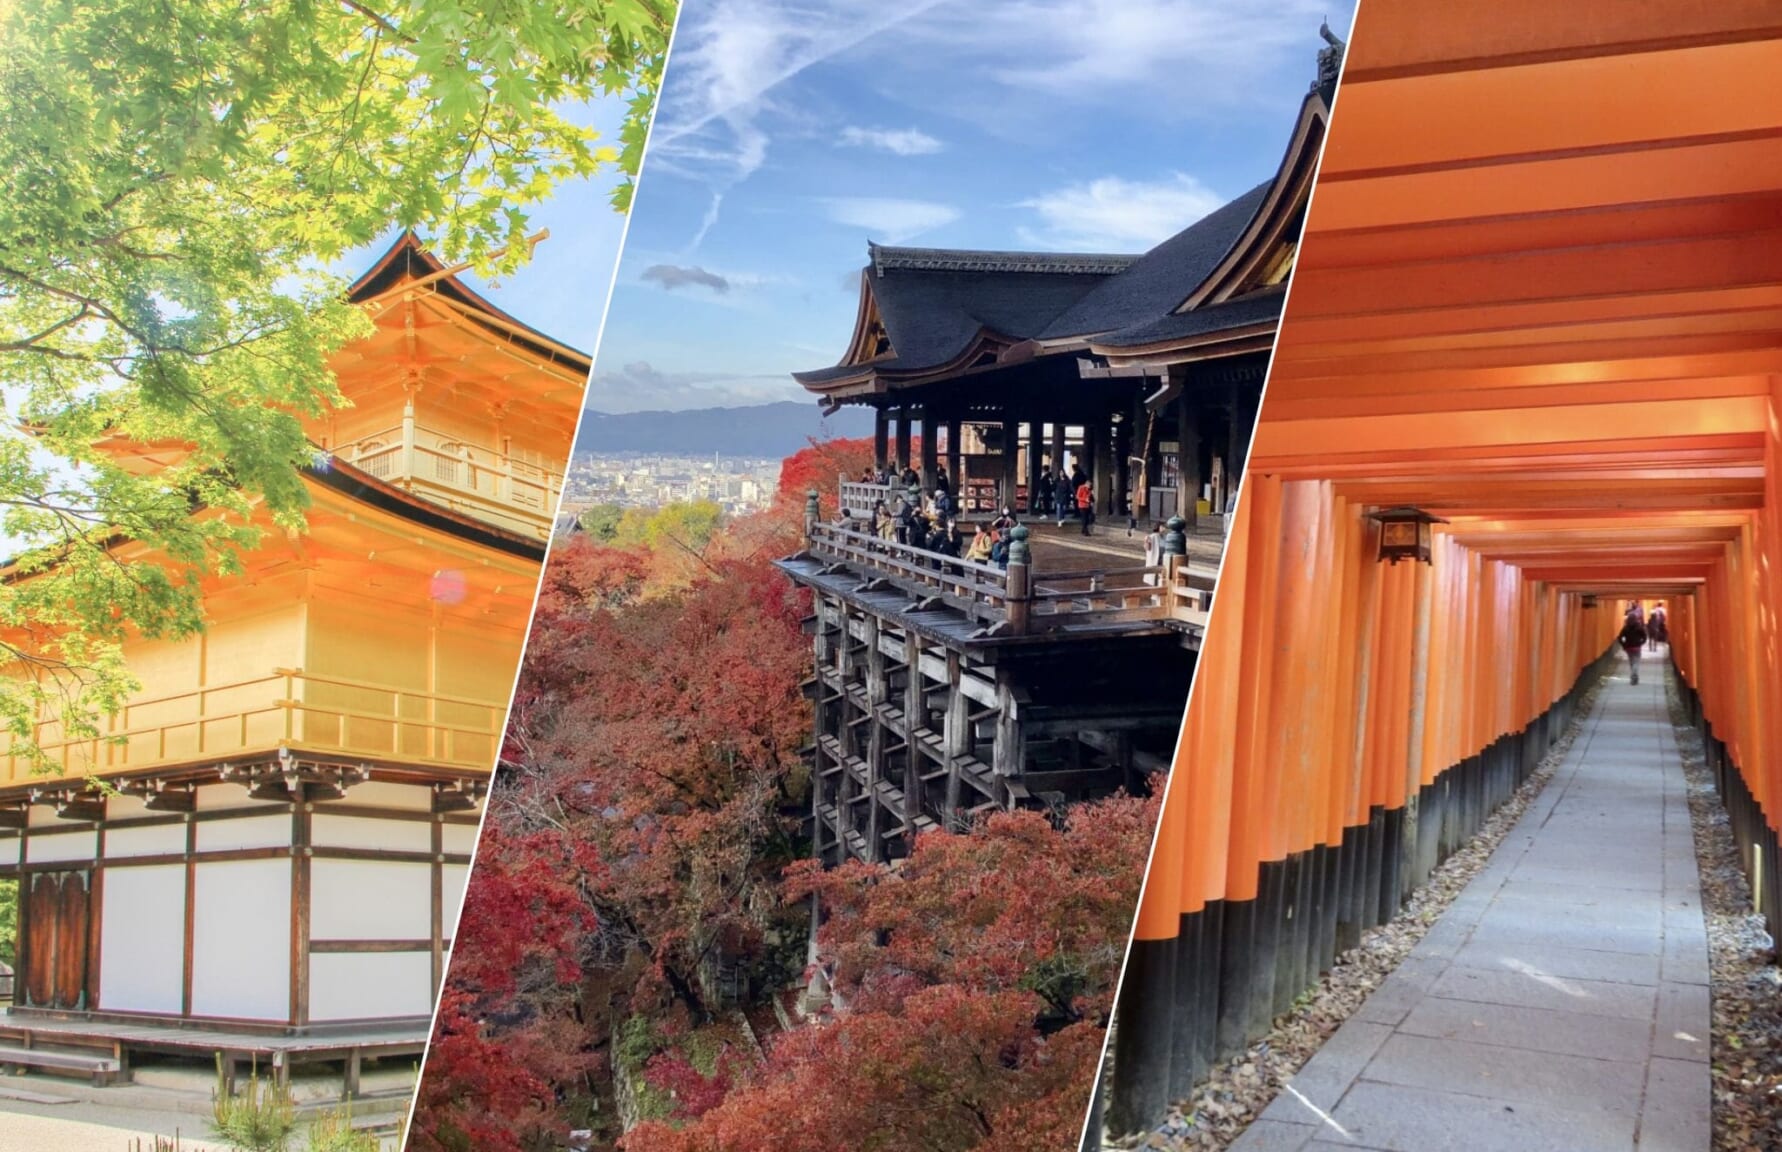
(1538, 297)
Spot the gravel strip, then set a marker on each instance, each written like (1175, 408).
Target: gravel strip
(1239, 1089)
(1746, 987)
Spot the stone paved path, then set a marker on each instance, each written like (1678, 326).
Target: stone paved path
(1560, 1004)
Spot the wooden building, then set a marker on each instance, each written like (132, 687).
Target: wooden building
(292, 797)
(943, 689)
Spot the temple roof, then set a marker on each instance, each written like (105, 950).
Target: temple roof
(940, 308)
(1261, 307)
(927, 314)
(407, 260)
(1156, 283)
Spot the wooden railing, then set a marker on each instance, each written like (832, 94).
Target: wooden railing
(858, 497)
(472, 479)
(286, 708)
(981, 591)
(1016, 600)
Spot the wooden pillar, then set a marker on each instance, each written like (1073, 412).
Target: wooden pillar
(1034, 456)
(880, 437)
(958, 740)
(903, 435)
(954, 471)
(1009, 754)
(1188, 436)
(914, 709)
(1244, 401)
(930, 450)
(1122, 466)
(1057, 445)
(1095, 445)
(821, 661)
(1011, 445)
(878, 691)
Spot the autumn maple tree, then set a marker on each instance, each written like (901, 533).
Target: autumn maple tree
(977, 974)
(645, 838)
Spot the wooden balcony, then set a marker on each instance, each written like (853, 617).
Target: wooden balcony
(514, 494)
(1018, 600)
(286, 708)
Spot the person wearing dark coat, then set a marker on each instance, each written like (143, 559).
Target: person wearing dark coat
(1632, 641)
(1065, 496)
(1656, 633)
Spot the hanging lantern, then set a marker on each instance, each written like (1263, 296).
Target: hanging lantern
(1405, 534)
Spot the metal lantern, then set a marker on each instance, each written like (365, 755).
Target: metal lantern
(1405, 534)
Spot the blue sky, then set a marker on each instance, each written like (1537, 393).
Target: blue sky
(563, 291)
(792, 131)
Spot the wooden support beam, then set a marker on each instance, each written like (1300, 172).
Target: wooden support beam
(1011, 445)
(878, 692)
(880, 437)
(1188, 446)
(954, 462)
(903, 435)
(930, 451)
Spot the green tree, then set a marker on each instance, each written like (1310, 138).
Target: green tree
(601, 521)
(9, 920)
(174, 174)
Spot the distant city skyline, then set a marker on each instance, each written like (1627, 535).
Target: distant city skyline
(791, 135)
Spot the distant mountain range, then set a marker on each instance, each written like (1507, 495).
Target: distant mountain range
(771, 431)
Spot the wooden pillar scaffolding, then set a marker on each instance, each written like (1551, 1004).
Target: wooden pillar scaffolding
(1188, 436)
(954, 475)
(903, 436)
(880, 438)
(1011, 453)
(1034, 432)
(930, 450)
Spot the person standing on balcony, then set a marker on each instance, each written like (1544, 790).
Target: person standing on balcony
(1085, 503)
(981, 542)
(1632, 641)
(942, 480)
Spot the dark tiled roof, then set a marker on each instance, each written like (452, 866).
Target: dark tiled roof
(886, 258)
(1252, 309)
(1157, 283)
(933, 312)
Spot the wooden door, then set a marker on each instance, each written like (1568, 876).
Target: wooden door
(54, 960)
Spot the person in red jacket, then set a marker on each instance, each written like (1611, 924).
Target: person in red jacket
(1086, 505)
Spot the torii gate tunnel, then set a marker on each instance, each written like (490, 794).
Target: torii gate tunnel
(1539, 296)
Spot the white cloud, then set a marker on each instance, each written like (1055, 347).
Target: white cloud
(888, 218)
(1115, 215)
(1173, 52)
(898, 141)
(726, 65)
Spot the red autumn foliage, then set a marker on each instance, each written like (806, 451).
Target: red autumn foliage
(975, 1009)
(819, 466)
(644, 826)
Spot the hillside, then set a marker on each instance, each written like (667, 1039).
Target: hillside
(770, 431)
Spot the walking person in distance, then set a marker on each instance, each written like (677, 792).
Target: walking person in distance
(1632, 641)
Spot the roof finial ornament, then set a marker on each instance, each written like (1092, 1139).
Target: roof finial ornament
(1330, 59)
